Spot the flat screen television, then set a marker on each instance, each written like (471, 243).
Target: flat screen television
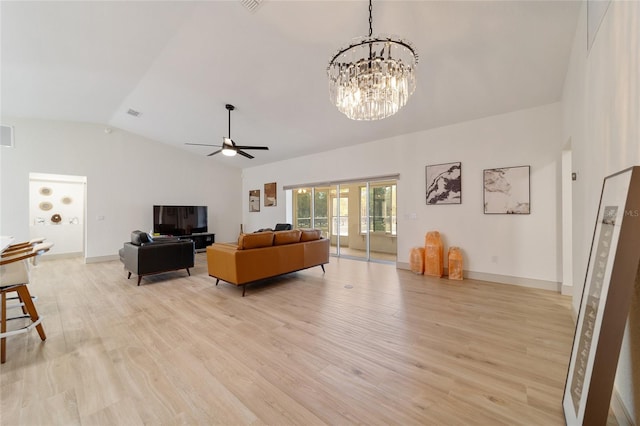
(179, 220)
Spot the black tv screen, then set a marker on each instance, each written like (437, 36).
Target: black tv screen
(179, 220)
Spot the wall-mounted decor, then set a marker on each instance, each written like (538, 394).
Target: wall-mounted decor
(56, 218)
(612, 274)
(506, 190)
(270, 195)
(45, 205)
(67, 200)
(444, 183)
(45, 191)
(254, 200)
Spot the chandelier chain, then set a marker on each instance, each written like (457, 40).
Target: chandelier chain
(370, 19)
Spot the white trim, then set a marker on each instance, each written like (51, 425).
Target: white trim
(502, 279)
(56, 256)
(623, 417)
(98, 259)
(395, 176)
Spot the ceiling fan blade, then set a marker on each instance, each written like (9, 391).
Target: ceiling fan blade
(200, 144)
(264, 148)
(245, 154)
(214, 153)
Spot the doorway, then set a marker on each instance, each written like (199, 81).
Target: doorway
(57, 212)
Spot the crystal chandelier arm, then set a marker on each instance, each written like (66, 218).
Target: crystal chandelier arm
(370, 40)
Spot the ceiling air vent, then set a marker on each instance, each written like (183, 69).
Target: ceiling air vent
(251, 5)
(133, 112)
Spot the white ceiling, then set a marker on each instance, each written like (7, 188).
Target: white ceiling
(180, 62)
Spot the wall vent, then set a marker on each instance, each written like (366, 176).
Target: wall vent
(133, 112)
(251, 5)
(6, 136)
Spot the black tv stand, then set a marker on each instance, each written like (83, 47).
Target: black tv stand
(201, 241)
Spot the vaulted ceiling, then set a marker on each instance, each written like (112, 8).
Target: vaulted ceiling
(180, 62)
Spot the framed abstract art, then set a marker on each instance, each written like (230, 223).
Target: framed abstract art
(444, 183)
(506, 190)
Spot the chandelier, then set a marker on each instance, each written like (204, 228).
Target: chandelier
(373, 77)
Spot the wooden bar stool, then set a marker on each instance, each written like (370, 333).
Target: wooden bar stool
(14, 277)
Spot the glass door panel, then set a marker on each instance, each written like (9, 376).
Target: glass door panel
(321, 197)
(332, 220)
(355, 244)
(340, 218)
(382, 221)
(302, 208)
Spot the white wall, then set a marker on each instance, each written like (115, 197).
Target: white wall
(524, 246)
(126, 175)
(601, 116)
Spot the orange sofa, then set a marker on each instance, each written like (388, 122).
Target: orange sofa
(266, 254)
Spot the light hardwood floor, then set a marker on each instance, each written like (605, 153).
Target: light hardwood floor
(363, 343)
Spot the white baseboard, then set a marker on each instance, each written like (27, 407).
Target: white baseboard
(98, 259)
(403, 265)
(620, 411)
(503, 279)
(567, 290)
(56, 256)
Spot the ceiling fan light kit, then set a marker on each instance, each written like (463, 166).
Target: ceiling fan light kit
(227, 150)
(229, 147)
(373, 77)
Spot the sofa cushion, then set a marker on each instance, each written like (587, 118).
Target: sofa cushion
(310, 235)
(139, 238)
(286, 237)
(255, 240)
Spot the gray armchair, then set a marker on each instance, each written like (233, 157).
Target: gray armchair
(144, 256)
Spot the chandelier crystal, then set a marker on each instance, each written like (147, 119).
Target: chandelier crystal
(373, 77)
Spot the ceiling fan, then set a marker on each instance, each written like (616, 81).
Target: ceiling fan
(229, 147)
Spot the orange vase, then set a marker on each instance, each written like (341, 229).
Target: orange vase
(416, 260)
(433, 254)
(455, 263)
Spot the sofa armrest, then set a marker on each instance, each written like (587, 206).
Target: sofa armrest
(221, 261)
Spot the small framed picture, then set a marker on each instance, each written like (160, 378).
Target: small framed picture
(254, 200)
(270, 194)
(506, 190)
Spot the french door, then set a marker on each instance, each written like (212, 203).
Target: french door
(359, 217)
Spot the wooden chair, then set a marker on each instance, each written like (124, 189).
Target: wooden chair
(14, 277)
